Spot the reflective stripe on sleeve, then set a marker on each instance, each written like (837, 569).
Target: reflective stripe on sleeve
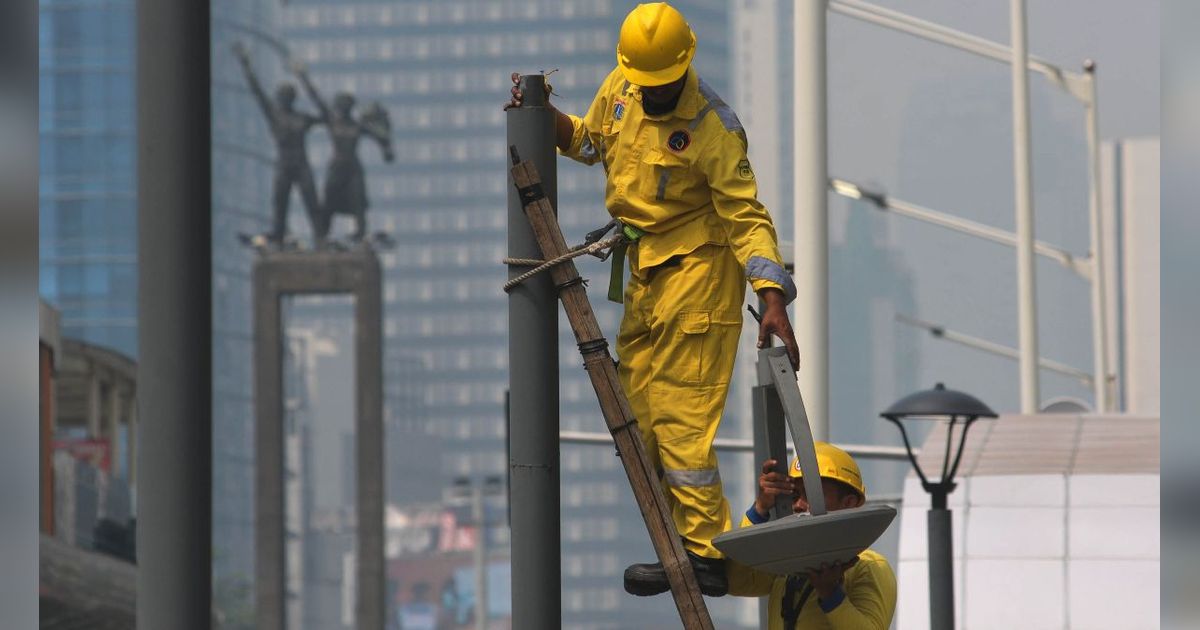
(692, 478)
(587, 150)
(767, 269)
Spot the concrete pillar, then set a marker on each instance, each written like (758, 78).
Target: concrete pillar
(93, 403)
(174, 371)
(276, 275)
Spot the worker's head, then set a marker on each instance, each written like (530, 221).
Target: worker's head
(840, 480)
(343, 103)
(285, 95)
(655, 48)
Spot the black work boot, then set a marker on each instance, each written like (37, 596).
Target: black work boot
(710, 573)
(645, 580)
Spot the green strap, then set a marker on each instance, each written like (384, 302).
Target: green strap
(616, 278)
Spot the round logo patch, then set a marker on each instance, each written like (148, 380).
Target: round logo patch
(619, 110)
(679, 141)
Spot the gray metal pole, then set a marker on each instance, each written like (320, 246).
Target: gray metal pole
(174, 394)
(533, 382)
(1023, 180)
(480, 518)
(811, 211)
(941, 569)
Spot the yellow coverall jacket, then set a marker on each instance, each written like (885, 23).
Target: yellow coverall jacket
(683, 179)
(869, 588)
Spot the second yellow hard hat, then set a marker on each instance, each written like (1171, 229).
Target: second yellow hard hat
(836, 464)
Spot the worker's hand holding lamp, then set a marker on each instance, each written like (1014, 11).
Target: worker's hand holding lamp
(775, 322)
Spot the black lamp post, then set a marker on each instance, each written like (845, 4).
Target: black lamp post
(959, 408)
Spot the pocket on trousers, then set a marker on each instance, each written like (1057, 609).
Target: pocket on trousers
(693, 327)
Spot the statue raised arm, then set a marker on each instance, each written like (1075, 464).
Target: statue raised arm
(243, 58)
(298, 68)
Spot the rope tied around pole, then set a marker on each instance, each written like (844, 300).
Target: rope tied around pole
(598, 249)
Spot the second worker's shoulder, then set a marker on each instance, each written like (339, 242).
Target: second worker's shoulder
(871, 562)
(870, 555)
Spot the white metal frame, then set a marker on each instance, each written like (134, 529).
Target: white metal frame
(1081, 86)
(941, 332)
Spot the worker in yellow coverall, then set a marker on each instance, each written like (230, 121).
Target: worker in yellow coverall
(859, 595)
(679, 181)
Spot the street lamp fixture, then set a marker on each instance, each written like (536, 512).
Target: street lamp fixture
(957, 407)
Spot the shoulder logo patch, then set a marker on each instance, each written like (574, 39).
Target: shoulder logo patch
(678, 141)
(619, 109)
(743, 169)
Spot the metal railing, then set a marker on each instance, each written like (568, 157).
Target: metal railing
(864, 451)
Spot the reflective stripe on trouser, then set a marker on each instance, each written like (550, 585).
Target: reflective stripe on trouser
(677, 344)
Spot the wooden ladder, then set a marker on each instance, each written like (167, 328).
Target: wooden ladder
(613, 403)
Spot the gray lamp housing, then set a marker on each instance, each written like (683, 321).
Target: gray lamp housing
(939, 402)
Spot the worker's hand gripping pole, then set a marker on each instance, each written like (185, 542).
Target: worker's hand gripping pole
(614, 405)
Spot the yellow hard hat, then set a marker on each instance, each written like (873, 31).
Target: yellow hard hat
(834, 463)
(656, 45)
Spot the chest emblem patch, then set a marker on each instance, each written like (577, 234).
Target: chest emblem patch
(678, 141)
(619, 109)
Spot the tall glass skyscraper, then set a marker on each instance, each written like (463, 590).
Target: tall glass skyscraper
(88, 227)
(243, 162)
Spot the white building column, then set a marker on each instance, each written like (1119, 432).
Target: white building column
(811, 227)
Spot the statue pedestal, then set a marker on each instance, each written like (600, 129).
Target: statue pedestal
(354, 272)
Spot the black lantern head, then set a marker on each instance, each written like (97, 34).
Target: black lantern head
(939, 403)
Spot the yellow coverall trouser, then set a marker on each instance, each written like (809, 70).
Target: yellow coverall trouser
(677, 344)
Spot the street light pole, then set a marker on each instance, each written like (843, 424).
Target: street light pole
(941, 561)
(1023, 176)
(533, 458)
(958, 408)
(1099, 293)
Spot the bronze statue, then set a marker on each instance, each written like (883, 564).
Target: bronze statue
(345, 184)
(289, 127)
